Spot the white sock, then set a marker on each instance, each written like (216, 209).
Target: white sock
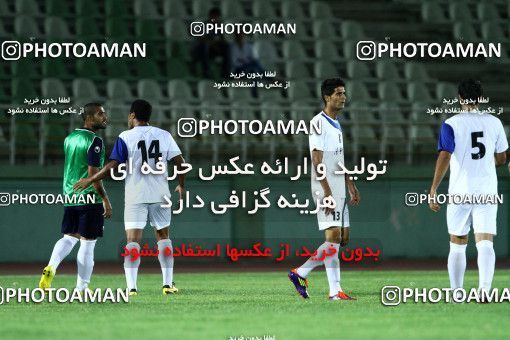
(332, 264)
(313, 261)
(457, 264)
(486, 263)
(61, 249)
(85, 260)
(131, 267)
(166, 262)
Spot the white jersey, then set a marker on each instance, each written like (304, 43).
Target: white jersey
(145, 144)
(330, 142)
(472, 138)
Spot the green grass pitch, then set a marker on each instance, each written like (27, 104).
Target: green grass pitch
(221, 305)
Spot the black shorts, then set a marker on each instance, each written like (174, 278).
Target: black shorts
(86, 220)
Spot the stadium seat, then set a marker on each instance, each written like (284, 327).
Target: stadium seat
(320, 10)
(419, 114)
(86, 8)
(149, 89)
(25, 68)
(117, 113)
(325, 69)
(200, 9)
(325, 30)
(349, 49)
(465, 31)
(293, 50)
(206, 91)
(53, 88)
(149, 29)
(415, 71)
(146, 68)
(326, 50)
(57, 8)
(292, 10)
(352, 31)
(56, 28)
(116, 8)
(27, 143)
(146, 9)
(242, 110)
(272, 95)
(432, 12)
(86, 31)
(296, 70)
(232, 10)
(446, 90)
(27, 7)
(176, 30)
(55, 134)
(391, 114)
(118, 89)
(358, 70)
(459, 11)
(23, 88)
(240, 94)
(265, 52)
(5, 10)
(117, 68)
(487, 11)
(389, 91)
(84, 90)
(174, 9)
(179, 90)
(263, 10)
(387, 70)
(299, 90)
(493, 32)
(180, 109)
(357, 91)
(360, 112)
(418, 91)
(89, 68)
(117, 28)
(26, 27)
(54, 68)
(176, 68)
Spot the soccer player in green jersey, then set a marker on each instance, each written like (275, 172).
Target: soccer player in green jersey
(84, 211)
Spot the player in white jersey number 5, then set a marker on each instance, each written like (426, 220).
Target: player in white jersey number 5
(472, 144)
(327, 149)
(141, 145)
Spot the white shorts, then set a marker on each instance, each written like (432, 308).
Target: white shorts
(339, 218)
(135, 215)
(460, 217)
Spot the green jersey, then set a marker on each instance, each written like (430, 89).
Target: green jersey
(82, 148)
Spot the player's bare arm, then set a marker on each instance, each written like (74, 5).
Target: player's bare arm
(353, 191)
(316, 160)
(92, 170)
(442, 164)
(103, 173)
(179, 160)
(500, 158)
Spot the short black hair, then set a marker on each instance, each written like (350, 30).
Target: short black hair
(89, 109)
(214, 12)
(328, 86)
(142, 110)
(470, 89)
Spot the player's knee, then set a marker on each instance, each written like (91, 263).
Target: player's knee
(333, 235)
(345, 240)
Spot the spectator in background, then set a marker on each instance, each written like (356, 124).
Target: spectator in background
(241, 56)
(210, 46)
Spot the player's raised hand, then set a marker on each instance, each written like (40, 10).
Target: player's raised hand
(82, 184)
(180, 189)
(107, 209)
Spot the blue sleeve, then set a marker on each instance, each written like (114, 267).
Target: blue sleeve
(94, 152)
(120, 151)
(446, 140)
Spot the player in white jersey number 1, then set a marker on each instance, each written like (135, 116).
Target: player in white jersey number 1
(472, 144)
(138, 147)
(327, 149)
